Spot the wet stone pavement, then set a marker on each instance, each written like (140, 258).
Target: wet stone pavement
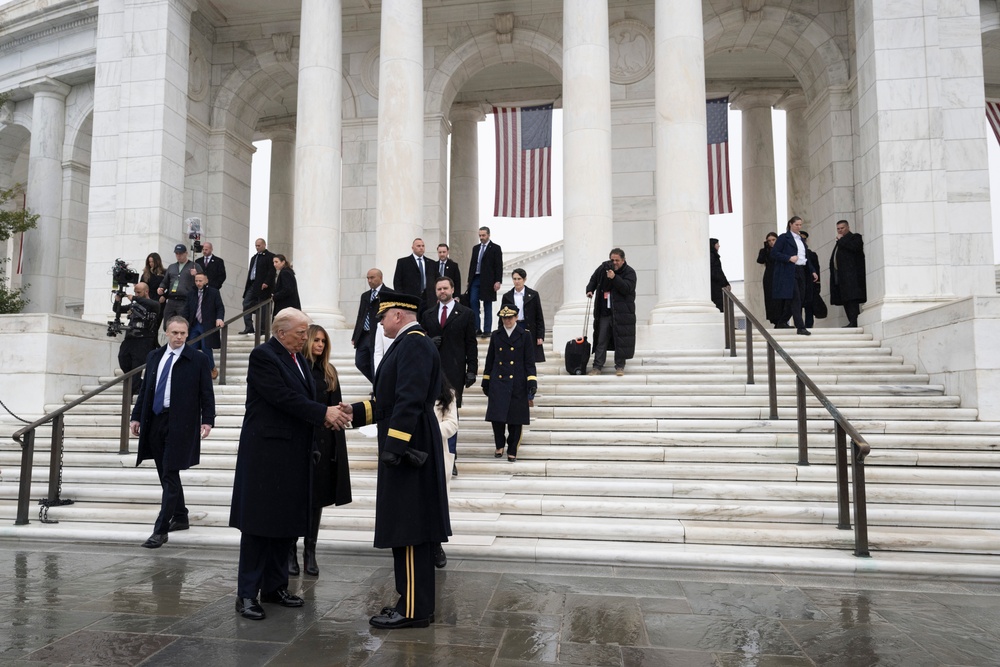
(123, 605)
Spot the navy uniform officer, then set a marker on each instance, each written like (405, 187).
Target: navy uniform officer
(411, 510)
(508, 379)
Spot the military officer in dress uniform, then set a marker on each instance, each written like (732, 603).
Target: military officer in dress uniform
(411, 503)
(508, 379)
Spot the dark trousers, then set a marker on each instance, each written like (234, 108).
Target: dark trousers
(132, 354)
(475, 303)
(249, 301)
(263, 564)
(198, 329)
(852, 309)
(605, 332)
(414, 569)
(173, 306)
(793, 306)
(172, 500)
(363, 356)
(513, 438)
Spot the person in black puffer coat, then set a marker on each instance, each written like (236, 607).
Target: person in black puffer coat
(614, 311)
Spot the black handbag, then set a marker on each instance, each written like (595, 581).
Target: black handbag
(820, 310)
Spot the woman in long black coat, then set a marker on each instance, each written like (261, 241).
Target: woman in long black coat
(286, 289)
(508, 379)
(718, 278)
(530, 318)
(772, 307)
(331, 479)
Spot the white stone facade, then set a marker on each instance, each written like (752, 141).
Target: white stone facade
(129, 116)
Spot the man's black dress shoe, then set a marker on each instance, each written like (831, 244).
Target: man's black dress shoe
(178, 525)
(389, 610)
(440, 558)
(282, 597)
(393, 619)
(155, 541)
(249, 608)
(782, 325)
(245, 332)
(804, 332)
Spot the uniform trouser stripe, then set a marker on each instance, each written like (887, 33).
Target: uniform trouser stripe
(409, 582)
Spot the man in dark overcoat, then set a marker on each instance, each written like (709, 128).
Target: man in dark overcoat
(455, 339)
(848, 283)
(204, 311)
(271, 490)
(411, 510)
(174, 411)
(485, 277)
(508, 379)
(415, 274)
(614, 311)
(792, 275)
(260, 281)
(212, 266)
(365, 325)
(446, 266)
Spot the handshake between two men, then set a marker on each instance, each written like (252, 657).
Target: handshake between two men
(338, 417)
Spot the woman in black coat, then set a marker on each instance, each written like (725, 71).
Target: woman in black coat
(718, 276)
(772, 307)
(286, 290)
(508, 379)
(152, 275)
(331, 478)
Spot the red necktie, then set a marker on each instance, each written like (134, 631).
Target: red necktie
(444, 315)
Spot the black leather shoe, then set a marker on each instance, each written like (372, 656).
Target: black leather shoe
(389, 610)
(155, 541)
(803, 332)
(782, 325)
(250, 608)
(440, 558)
(178, 525)
(282, 597)
(246, 331)
(394, 619)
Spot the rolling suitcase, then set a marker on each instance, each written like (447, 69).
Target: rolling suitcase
(577, 354)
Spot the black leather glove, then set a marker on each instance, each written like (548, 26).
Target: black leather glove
(316, 456)
(390, 459)
(532, 386)
(470, 379)
(436, 340)
(414, 457)
(486, 387)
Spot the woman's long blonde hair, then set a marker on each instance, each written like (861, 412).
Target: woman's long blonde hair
(328, 370)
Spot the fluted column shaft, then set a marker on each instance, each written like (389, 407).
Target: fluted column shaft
(281, 200)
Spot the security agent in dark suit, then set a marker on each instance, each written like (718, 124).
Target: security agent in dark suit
(271, 490)
(212, 266)
(365, 326)
(204, 311)
(411, 510)
(174, 411)
(415, 274)
(260, 281)
(485, 276)
(447, 267)
(455, 339)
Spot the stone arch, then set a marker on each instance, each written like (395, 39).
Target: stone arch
(79, 124)
(482, 51)
(14, 142)
(802, 42)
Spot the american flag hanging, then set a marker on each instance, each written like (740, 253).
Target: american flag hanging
(524, 162)
(993, 115)
(720, 199)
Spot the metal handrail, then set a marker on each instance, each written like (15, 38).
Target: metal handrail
(842, 426)
(262, 326)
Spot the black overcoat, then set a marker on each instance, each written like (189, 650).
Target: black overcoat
(848, 282)
(192, 403)
(784, 271)
(717, 277)
(411, 503)
(622, 288)
(286, 290)
(216, 271)
(212, 309)
(332, 475)
(459, 349)
(510, 363)
(274, 462)
(264, 276)
(490, 272)
(772, 307)
(534, 320)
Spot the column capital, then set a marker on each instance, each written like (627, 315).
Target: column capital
(470, 112)
(46, 85)
(792, 100)
(754, 98)
(283, 132)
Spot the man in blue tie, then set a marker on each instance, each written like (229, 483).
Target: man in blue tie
(174, 411)
(485, 276)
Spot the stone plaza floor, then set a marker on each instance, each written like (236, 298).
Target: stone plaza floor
(84, 604)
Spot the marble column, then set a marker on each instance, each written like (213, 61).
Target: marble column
(281, 200)
(40, 273)
(317, 225)
(684, 316)
(760, 212)
(587, 211)
(463, 194)
(400, 169)
(797, 173)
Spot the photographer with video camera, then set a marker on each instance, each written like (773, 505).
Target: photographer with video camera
(140, 335)
(177, 282)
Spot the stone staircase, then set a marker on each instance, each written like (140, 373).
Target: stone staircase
(675, 463)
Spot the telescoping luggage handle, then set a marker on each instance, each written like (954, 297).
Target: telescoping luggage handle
(586, 318)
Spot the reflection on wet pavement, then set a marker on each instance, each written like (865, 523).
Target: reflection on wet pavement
(93, 605)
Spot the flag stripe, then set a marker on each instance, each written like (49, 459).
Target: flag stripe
(720, 198)
(993, 116)
(524, 165)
